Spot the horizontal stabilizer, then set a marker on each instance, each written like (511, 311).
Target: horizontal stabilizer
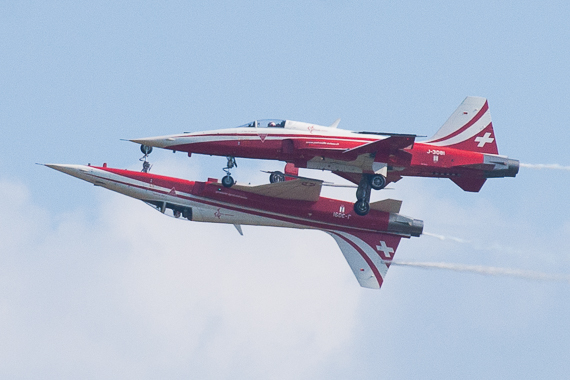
(302, 189)
(387, 205)
(389, 144)
(368, 253)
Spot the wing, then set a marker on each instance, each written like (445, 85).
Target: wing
(368, 254)
(387, 205)
(389, 144)
(301, 189)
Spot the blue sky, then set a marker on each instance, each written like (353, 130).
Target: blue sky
(96, 285)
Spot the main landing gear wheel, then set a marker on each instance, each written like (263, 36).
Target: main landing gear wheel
(276, 177)
(377, 181)
(228, 181)
(362, 207)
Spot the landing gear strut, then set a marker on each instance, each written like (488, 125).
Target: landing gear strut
(362, 205)
(227, 180)
(367, 182)
(146, 150)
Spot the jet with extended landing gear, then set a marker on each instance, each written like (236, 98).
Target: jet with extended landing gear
(464, 150)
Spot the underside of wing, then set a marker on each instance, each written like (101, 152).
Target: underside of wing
(301, 189)
(368, 254)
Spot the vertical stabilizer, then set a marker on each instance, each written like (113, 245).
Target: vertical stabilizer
(368, 254)
(468, 128)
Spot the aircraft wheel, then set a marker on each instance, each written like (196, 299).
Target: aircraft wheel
(361, 207)
(177, 214)
(187, 213)
(276, 177)
(378, 182)
(146, 150)
(228, 181)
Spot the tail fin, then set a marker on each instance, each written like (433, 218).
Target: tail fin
(369, 254)
(468, 128)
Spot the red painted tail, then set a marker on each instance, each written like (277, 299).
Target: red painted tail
(468, 128)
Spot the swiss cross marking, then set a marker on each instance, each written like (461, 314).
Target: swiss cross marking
(387, 251)
(482, 140)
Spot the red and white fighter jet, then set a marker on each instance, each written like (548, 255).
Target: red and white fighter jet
(368, 244)
(464, 149)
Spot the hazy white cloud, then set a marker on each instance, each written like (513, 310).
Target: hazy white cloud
(123, 291)
(134, 292)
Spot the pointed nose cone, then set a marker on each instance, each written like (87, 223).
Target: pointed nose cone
(157, 142)
(79, 171)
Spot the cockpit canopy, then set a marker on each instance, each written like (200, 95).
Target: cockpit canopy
(266, 123)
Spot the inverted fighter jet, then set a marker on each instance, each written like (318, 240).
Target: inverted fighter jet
(464, 150)
(368, 244)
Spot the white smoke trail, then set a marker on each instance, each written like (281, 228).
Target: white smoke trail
(493, 271)
(545, 166)
(442, 237)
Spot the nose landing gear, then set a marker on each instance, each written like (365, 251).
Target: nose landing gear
(228, 180)
(146, 150)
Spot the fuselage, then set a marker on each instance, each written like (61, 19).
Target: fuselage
(211, 202)
(319, 147)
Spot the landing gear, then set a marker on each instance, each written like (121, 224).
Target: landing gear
(228, 181)
(146, 150)
(377, 181)
(276, 177)
(177, 212)
(361, 207)
(367, 182)
(187, 213)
